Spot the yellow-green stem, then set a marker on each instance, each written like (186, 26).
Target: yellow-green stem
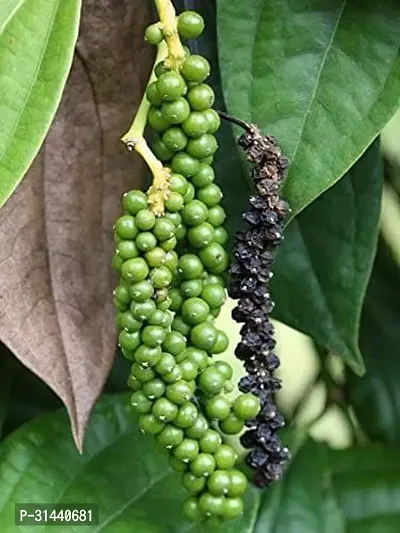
(133, 138)
(172, 53)
(176, 53)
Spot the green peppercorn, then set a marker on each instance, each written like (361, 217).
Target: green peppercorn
(177, 464)
(213, 120)
(143, 375)
(199, 428)
(155, 257)
(153, 336)
(219, 482)
(174, 343)
(195, 69)
(190, 266)
(170, 436)
(216, 216)
(170, 86)
(125, 227)
(189, 195)
(174, 202)
(186, 416)
(190, 25)
(178, 392)
(210, 195)
(210, 442)
(146, 241)
(175, 112)
(169, 244)
(192, 483)
(127, 250)
(221, 344)
(129, 340)
(225, 457)
(202, 147)
(232, 425)
(232, 508)
(201, 97)
(150, 424)
(141, 403)
(195, 311)
(221, 235)
(161, 150)
(204, 336)
(178, 184)
(246, 406)
(201, 235)
(194, 213)
(203, 465)
(157, 121)
(154, 389)
(192, 511)
(189, 370)
(160, 277)
(143, 310)
(237, 484)
(196, 124)
(175, 139)
(147, 355)
(145, 220)
(173, 376)
(180, 325)
(164, 410)
(154, 34)
(218, 407)
(187, 450)
(153, 95)
(134, 201)
(224, 369)
(197, 356)
(164, 229)
(129, 323)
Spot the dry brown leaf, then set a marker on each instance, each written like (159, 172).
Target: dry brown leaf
(56, 311)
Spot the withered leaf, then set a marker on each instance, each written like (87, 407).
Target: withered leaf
(56, 310)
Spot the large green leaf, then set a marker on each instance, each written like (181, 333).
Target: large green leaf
(119, 470)
(304, 501)
(137, 491)
(36, 50)
(323, 76)
(376, 397)
(352, 491)
(8, 8)
(367, 484)
(322, 270)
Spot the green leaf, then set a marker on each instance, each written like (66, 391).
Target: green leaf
(36, 51)
(304, 501)
(367, 484)
(119, 470)
(323, 76)
(376, 397)
(8, 8)
(137, 491)
(323, 267)
(350, 491)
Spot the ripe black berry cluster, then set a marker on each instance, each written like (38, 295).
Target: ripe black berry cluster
(172, 289)
(254, 257)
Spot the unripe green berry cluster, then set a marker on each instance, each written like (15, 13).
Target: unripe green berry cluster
(171, 290)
